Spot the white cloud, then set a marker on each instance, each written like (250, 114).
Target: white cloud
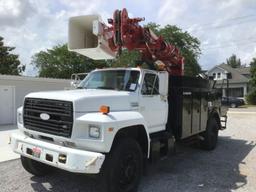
(171, 10)
(14, 12)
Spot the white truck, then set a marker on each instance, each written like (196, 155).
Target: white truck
(115, 121)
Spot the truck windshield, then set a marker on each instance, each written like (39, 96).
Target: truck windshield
(121, 80)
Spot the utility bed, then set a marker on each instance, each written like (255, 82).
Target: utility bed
(188, 105)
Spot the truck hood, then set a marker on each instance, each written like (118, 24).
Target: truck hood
(89, 100)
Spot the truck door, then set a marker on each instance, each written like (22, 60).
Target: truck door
(153, 106)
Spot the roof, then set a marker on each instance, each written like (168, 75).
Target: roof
(244, 70)
(237, 73)
(26, 78)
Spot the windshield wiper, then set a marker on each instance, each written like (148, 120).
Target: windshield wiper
(81, 88)
(103, 87)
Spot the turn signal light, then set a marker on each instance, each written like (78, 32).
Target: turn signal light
(104, 109)
(62, 158)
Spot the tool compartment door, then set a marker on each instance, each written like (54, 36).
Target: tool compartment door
(196, 113)
(204, 112)
(187, 114)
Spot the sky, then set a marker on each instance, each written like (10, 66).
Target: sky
(224, 27)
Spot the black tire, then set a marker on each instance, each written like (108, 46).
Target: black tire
(122, 169)
(210, 135)
(36, 168)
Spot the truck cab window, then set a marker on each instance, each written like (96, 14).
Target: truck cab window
(121, 80)
(150, 85)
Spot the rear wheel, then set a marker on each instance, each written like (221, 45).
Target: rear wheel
(210, 135)
(36, 168)
(123, 167)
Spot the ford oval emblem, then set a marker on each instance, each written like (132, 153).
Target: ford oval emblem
(44, 116)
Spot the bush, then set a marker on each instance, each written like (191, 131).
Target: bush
(251, 97)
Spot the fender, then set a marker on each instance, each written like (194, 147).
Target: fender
(113, 122)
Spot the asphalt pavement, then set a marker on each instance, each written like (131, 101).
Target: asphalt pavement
(230, 167)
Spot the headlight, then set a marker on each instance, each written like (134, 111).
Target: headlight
(20, 118)
(94, 131)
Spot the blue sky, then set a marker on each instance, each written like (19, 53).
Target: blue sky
(223, 27)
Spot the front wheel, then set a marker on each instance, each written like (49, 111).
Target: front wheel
(210, 135)
(122, 170)
(36, 168)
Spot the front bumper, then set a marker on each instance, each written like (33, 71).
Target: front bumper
(78, 161)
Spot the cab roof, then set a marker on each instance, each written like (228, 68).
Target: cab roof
(126, 68)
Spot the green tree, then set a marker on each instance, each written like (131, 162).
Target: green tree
(253, 72)
(233, 61)
(251, 97)
(126, 59)
(58, 62)
(9, 63)
(187, 44)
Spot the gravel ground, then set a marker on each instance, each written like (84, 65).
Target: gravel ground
(231, 167)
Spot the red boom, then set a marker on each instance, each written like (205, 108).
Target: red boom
(127, 33)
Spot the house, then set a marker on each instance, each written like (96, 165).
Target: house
(14, 88)
(238, 81)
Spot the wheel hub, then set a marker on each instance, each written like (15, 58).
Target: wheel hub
(128, 170)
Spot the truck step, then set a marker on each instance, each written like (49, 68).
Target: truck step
(161, 147)
(223, 122)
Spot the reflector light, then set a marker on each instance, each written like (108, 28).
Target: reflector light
(104, 109)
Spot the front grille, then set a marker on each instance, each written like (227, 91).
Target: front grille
(60, 122)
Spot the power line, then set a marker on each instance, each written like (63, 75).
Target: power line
(222, 26)
(249, 39)
(241, 17)
(233, 18)
(232, 45)
(208, 26)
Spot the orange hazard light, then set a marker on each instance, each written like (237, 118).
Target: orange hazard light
(104, 109)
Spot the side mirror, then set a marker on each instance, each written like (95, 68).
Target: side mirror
(74, 84)
(163, 82)
(76, 78)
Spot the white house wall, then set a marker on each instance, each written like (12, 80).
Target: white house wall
(23, 86)
(236, 85)
(217, 70)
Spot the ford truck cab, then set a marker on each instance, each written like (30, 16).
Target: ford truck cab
(71, 125)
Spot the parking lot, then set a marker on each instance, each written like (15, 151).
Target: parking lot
(231, 167)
